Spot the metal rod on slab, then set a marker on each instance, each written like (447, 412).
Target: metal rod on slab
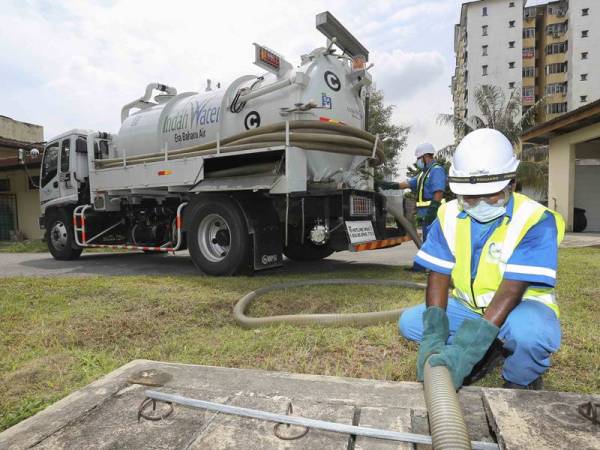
(304, 422)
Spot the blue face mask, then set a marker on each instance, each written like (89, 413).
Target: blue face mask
(484, 212)
(420, 164)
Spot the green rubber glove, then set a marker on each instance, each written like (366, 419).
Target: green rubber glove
(471, 341)
(435, 335)
(431, 212)
(386, 185)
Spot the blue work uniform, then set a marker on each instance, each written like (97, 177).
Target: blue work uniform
(435, 180)
(531, 332)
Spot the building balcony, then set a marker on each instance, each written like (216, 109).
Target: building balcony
(556, 58)
(528, 81)
(556, 77)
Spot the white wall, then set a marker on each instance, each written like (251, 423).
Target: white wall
(577, 45)
(499, 54)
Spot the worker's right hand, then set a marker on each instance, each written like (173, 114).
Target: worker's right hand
(435, 335)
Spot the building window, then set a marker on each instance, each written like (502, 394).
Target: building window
(583, 98)
(511, 44)
(559, 47)
(484, 70)
(584, 55)
(484, 29)
(484, 49)
(484, 11)
(511, 85)
(5, 185)
(585, 33)
(528, 72)
(556, 108)
(511, 65)
(556, 88)
(555, 11)
(511, 23)
(585, 11)
(584, 77)
(529, 52)
(528, 93)
(556, 68)
(556, 29)
(529, 13)
(511, 4)
(528, 32)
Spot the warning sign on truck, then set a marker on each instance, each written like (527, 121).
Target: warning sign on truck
(360, 231)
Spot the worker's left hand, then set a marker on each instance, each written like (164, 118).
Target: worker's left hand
(471, 341)
(431, 214)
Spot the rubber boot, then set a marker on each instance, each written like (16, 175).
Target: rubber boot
(535, 385)
(493, 358)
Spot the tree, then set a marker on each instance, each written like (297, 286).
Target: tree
(504, 115)
(395, 136)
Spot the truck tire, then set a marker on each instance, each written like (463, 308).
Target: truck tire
(217, 237)
(59, 236)
(306, 252)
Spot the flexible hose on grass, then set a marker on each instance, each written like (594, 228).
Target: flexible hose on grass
(447, 424)
(356, 319)
(446, 421)
(307, 134)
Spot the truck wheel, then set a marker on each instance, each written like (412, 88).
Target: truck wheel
(306, 252)
(59, 236)
(217, 238)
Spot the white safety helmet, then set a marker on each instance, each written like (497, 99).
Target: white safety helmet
(423, 149)
(483, 163)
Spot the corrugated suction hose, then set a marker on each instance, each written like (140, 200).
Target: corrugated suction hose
(306, 134)
(357, 319)
(446, 421)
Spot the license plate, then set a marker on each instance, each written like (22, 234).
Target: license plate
(360, 231)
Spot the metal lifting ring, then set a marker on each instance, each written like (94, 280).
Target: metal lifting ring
(153, 415)
(289, 437)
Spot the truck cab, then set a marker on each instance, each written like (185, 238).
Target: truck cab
(63, 185)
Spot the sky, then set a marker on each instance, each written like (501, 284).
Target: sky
(74, 64)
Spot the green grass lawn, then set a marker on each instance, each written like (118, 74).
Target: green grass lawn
(58, 334)
(30, 246)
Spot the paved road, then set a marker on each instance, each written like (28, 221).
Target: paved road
(42, 264)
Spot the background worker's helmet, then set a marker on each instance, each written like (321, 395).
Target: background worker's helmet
(483, 163)
(424, 149)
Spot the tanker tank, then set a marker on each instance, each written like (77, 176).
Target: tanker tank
(324, 88)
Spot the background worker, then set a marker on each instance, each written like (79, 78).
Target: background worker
(500, 251)
(428, 186)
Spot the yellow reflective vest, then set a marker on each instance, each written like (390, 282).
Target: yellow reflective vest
(421, 179)
(477, 294)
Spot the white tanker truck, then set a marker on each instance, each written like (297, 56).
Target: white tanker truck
(276, 163)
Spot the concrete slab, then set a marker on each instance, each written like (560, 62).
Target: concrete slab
(104, 414)
(548, 419)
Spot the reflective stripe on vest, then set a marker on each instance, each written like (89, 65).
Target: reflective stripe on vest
(421, 179)
(478, 293)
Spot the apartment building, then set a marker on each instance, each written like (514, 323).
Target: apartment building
(487, 43)
(548, 50)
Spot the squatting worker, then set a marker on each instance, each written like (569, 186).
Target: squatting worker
(499, 249)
